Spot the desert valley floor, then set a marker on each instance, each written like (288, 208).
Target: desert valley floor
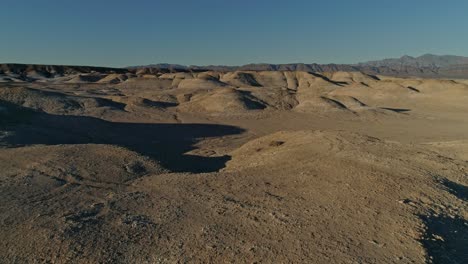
(223, 167)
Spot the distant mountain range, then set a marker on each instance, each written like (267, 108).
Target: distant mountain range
(428, 65)
(424, 61)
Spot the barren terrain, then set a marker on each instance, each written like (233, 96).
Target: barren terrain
(232, 167)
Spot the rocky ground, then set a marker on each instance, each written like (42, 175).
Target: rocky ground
(243, 167)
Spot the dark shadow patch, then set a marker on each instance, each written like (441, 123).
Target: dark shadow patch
(248, 79)
(396, 110)
(11, 114)
(158, 104)
(251, 101)
(276, 143)
(446, 239)
(335, 102)
(460, 191)
(413, 89)
(166, 143)
(328, 79)
(372, 77)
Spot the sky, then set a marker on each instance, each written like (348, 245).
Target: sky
(121, 33)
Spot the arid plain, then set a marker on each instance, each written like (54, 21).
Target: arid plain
(232, 166)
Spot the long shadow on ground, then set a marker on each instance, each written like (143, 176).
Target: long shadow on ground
(165, 143)
(446, 238)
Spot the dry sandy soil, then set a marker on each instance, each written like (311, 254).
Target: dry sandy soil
(237, 167)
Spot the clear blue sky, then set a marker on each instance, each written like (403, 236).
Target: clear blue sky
(122, 33)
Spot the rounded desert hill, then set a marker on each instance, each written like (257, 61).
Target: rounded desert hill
(110, 164)
(85, 78)
(114, 78)
(54, 102)
(200, 84)
(223, 100)
(351, 186)
(240, 79)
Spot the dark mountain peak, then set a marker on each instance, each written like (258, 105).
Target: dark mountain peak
(428, 55)
(407, 57)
